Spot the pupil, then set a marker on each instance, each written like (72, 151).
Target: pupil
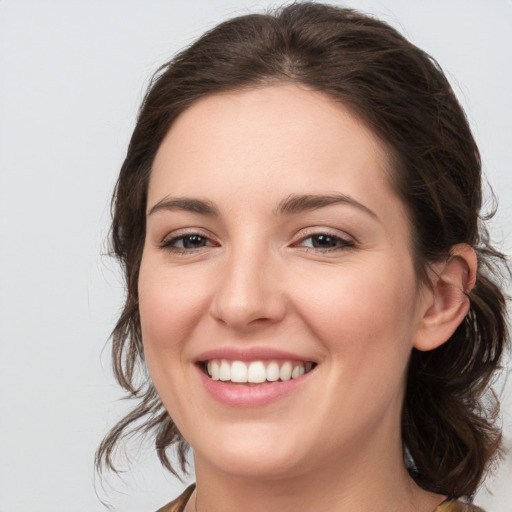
(193, 241)
(323, 241)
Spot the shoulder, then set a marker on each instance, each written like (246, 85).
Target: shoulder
(457, 506)
(179, 503)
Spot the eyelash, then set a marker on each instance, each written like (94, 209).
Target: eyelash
(167, 244)
(340, 243)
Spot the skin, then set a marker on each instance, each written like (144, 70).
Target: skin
(257, 277)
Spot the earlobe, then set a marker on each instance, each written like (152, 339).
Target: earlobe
(447, 301)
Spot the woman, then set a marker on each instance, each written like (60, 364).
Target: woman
(308, 282)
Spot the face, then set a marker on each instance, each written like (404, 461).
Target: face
(278, 299)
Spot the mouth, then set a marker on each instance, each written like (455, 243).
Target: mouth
(254, 373)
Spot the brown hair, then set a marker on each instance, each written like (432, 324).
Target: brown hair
(402, 94)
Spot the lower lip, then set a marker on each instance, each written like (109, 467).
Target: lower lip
(240, 395)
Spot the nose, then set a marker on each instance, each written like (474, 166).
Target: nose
(248, 292)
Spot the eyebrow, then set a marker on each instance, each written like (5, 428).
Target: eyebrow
(294, 204)
(187, 204)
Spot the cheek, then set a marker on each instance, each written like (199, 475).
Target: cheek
(358, 309)
(170, 307)
(365, 321)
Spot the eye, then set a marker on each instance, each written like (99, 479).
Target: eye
(187, 243)
(325, 242)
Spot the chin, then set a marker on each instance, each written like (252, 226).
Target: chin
(257, 456)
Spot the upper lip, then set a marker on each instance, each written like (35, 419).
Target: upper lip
(250, 354)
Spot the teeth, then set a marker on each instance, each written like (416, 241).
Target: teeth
(239, 372)
(255, 372)
(214, 370)
(272, 371)
(225, 371)
(285, 373)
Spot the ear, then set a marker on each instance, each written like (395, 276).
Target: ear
(446, 301)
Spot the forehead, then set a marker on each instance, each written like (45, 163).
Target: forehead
(266, 142)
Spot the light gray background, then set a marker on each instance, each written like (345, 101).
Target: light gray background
(72, 74)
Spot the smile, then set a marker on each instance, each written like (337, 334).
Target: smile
(256, 372)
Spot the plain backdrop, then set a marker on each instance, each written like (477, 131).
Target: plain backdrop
(72, 74)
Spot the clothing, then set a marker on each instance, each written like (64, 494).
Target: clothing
(179, 503)
(447, 506)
